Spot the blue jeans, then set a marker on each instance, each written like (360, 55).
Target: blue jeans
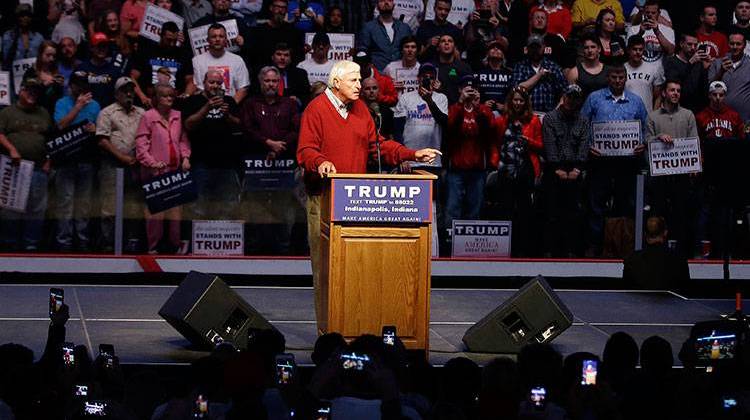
(218, 193)
(24, 230)
(73, 186)
(465, 191)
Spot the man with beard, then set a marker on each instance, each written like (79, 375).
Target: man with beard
(67, 61)
(211, 122)
(271, 126)
(690, 65)
(115, 129)
(277, 29)
(381, 37)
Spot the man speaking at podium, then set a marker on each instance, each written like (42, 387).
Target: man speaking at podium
(337, 134)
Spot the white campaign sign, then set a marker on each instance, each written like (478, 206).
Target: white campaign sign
(481, 238)
(15, 183)
(218, 237)
(199, 37)
(409, 78)
(19, 68)
(340, 46)
(4, 88)
(683, 156)
(154, 18)
(460, 11)
(616, 138)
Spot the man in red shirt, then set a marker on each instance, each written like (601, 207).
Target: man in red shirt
(718, 120)
(716, 43)
(337, 134)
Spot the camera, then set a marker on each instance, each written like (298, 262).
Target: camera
(352, 361)
(427, 83)
(703, 48)
(95, 409)
(56, 300)
(285, 367)
(389, 335)
(716, 346)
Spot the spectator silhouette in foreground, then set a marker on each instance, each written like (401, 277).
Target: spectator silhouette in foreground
(655, 267)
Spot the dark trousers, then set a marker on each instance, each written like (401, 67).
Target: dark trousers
(670, 196)
(563, 233)
(611, 183)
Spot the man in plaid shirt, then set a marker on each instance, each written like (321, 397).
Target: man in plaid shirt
(542, 77)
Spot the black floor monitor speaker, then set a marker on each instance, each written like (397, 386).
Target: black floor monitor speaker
(533, 314)
(207, 312)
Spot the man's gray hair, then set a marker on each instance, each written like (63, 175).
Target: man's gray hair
(265, 70)
(340, 69)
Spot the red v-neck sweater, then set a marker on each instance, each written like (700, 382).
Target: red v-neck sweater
(325, 136)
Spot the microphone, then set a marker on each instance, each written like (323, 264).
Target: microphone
(375, 110)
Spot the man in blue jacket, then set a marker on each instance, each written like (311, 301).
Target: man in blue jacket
(382, 36)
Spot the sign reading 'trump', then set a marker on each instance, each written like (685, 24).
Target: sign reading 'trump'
(381, 200)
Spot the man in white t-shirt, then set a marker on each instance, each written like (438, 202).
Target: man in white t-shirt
(404, 71)
(318, 66)
(644, 79)
(236, 78)
(659, 37)
(420, 115)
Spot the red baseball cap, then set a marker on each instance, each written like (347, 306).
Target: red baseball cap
(97, 38)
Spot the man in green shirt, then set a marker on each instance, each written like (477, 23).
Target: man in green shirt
(23, 129)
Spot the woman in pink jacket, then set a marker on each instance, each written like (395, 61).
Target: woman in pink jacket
(162, 146)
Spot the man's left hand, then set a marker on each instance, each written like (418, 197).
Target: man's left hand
(665, 138)
(427, 155)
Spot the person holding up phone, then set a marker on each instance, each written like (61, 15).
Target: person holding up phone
(659, 37)
(690, 65)
(734, 70)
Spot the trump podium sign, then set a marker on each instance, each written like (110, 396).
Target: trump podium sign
(381, 200)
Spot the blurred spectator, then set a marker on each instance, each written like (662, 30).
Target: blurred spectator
(152, 58)
(613, 45)
(96, 10)
(540, 76)
(467, 141)
(327, 346)
(460, 384)
(115, 130)
(430, 31)
(249, 11)
(590, 74)
(192, 10)
(715, 42)
(420, 116)
(66, 58)
(670, 195)
(638, 11)
(734, 71)
(333, 21)
(120, 48)
(308, 20)
(484, 27)
(381, 37)
(382, 116)
(131, 17)
(212, 122)
(293, 82)
(741, 19)
(619, 360)
(612, 179)
(554, 45)
(235, 74)
(514, 16)
(493, 78)
(403, 72)
(275, 30)
(584, 13)
(271, 123)
(68, 20)
(655, 267)
(99, 69)
(356, 12)
(318, 66)
(559, 20)
(451, 70)
(387, 95)
(718, 120)
(161, 147)
(20, 41)
(515, 154)
(645, 79)
(221, 12)
(23, 129)
(499, 395)
(659, 38)
(567, 140)
(690, 66)
(45, 70)
(74, 177)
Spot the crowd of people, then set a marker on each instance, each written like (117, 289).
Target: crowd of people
(511, 92)
(370, 378)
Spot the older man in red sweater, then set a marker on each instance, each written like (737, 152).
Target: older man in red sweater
(337, 134)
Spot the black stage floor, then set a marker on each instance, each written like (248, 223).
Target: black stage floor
(126, 316)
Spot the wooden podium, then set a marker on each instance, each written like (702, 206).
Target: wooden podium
(376, 234)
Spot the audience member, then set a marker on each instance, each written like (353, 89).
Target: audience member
(235, 74)
(382, 36)
(655, 266)
(430, 31)
(690, 66)
(100, 71)
(734, 71)
(711, 41)
(46, 70)
(387, 95)
(493, 79)
(221, 12)
(584, 13)
(318, 66)
(451, 69)
(612, 44)
(20, 41)
(404, 72)
(540, 76)
(275, 30)
(590, 74)
(659, 38)
(554, 44)
(645, 79)
(294, 82)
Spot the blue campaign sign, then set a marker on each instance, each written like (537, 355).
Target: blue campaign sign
(382, 200)
(169, 190)
(263, 174)
(66, 144)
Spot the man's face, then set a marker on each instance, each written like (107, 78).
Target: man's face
(717, 98)
(113, 22)
(349, 85)
(535, 51)
(335, 18)
(220, 6)
(495, 53)
(68, 48)
(689, 45)
(124, 96)
(709, 16)
(616, 81)
(742, 11)
(100, 50)
(672, 93)
(442, 10)
(635, 53)
(370, 90)
(651, 12)
(539, 21)
(269, 86)
(281, 58)
(217, 39)
(736, 45)
(165, 97)
(320, 50)
(446, 45)
(213, 83)
(409, 51)
(571, 103)
(278, 10)
(169, 39)
(28, 97)
(385, 7)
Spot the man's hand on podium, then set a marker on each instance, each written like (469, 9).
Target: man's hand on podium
(326, 168)
(427, 155)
